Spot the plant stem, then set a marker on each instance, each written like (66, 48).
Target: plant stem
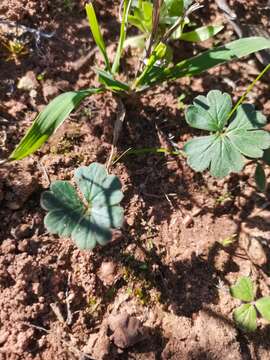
(250, 87)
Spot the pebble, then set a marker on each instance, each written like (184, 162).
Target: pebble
(188, 221)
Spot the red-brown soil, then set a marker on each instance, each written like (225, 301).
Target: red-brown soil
(166, 267)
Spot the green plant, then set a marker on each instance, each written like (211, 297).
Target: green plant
(160, 22)
(171, 17)
(245, 315)
(89, 220)
(157, 67)
(234, 134)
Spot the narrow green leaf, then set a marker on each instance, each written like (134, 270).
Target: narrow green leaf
(266, 156)
(260, 178)
(94, 26)
(263, 306)
(245, 317)
(213, 57)
(201, 34)
(122, 37)
(243, 289)
(108, 80)
(48, 121)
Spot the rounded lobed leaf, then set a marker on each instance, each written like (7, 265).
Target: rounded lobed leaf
(89, 224)
(243, 289)
(245, 317)
(263, 306)
(225, 151)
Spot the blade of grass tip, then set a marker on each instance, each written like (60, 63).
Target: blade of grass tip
(95, 29)
(122, 37)
(250, 87)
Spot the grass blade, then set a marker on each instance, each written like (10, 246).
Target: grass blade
(94, 26)
(110, 83)
(213, 57)
(48, 121)
(122, 37)
(201, 34)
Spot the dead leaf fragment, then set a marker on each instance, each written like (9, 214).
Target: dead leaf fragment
(127, 330)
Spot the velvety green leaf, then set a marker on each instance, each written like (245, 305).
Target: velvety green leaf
(97, 186)
(211, 112)
(224, 151)
(64, 206)
(243, 132)
(88, 223)
(263, 306)
(141, 16)
(108, 80)
(199, 151)
(48, 121)
(213, 57)
(201, 34)
(243, 289)
(260, 178)
(94, 26)
(174, 7)
(245, 317)
(213, 151)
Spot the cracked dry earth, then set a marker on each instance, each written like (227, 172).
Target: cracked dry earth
(160, 290)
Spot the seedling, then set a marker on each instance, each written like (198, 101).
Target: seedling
(235, 135)
(14, 48)
(89, 220)
(245, 316)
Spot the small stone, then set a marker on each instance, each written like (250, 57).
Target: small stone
(3, 336)
(108, 272)
(8, 246)
(22, 231)
(37, 288)
(49, 90)
(188, 221)
(28, 82)
(23, 245)
(255, 250)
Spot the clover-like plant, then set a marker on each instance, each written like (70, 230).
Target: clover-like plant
(236, 134)
(245, 316)
(88, 220)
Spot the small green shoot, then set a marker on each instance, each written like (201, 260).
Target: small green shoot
(228, 241)
(88, 221)
(245, 315)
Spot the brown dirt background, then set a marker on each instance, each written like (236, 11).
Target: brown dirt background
(169, 269)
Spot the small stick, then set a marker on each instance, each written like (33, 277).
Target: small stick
(117, 129)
